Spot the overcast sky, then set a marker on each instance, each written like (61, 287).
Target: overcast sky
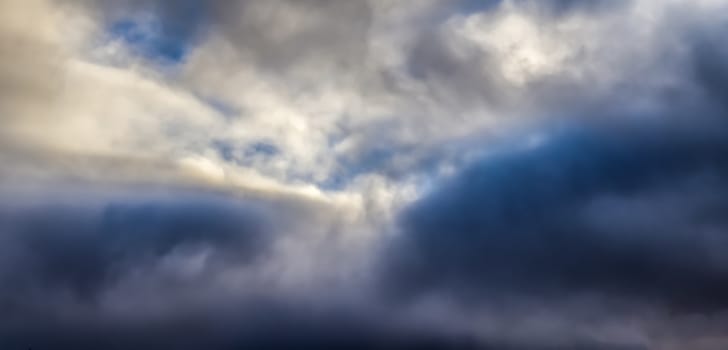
(364, 174)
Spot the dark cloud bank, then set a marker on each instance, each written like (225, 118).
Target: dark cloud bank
(83, 248)
(107, 270)
(637, 212)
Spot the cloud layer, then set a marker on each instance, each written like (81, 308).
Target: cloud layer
(626, 212)
(382, 174)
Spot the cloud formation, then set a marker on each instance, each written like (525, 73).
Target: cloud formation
(421, 174)
(582, 211)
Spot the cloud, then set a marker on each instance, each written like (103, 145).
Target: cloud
(570, 210)
(217, 174)
(534, 220)
(184, 269)
(29, 63)
(85, 246)
(263, 325)
(565, 6)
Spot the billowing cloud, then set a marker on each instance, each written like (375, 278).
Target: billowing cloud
(632, 212)
(188, 269)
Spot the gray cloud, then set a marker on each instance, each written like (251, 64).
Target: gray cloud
(265, 325)
(274, 34)
(581, 211)
(125, 269)
(30, 62)
(85, 246)
(559, 7)
(515, 222)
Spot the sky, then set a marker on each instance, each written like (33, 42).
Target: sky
(364, 174)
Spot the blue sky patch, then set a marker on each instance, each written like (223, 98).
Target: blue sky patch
(147, 38)
(164, 32)
(475, 6)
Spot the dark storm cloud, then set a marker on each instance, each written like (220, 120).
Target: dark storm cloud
(84, 248)
(86, 270)
(709, 59)
(519, 222)
(259, 325)
(71, 263)
(262, 324)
